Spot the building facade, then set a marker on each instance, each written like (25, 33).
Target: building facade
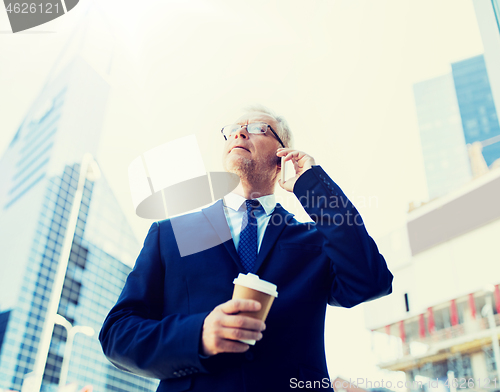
(458, 124)
(39, 174)
(446, 266)
(488, 20)
(477, 108)
(443, 144)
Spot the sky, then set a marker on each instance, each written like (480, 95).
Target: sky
(340, 71)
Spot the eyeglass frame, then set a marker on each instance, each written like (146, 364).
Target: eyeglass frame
(262, 122)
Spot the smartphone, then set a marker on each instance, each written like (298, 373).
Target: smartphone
(286, 170)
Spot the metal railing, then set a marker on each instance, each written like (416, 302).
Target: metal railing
(414, 345)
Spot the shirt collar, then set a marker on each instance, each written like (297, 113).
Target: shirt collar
(235, 202)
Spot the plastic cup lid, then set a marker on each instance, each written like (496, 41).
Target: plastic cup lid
(253, 282)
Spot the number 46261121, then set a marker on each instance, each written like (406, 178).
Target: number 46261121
(33, 8)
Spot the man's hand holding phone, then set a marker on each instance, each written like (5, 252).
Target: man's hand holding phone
(301, 162)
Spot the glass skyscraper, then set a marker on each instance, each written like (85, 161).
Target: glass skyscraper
(488, 21)
(455, 110)
(39, 173)
(477, 108)
(443, 145)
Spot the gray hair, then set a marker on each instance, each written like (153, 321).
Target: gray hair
(284, 130)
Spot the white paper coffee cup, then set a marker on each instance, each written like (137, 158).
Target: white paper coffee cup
(250, 286)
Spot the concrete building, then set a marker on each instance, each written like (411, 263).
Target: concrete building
(443, 259)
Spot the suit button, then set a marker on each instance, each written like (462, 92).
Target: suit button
(249, 355)
(182, 373)
(321, 176)
(176, 374)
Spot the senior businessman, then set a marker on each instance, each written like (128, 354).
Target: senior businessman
(175, 319)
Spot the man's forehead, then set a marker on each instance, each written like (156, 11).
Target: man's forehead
(257, 116)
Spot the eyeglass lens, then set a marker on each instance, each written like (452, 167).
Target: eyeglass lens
(251, 128)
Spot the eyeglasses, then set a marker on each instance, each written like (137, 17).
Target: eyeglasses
(258, 128)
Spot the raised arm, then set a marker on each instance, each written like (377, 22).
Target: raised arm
(358, 272)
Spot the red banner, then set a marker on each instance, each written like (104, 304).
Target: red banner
(421, 326)
(431, 327)
(453, 312)
(472, 306)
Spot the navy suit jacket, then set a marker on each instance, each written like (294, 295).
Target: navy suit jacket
(155, 328)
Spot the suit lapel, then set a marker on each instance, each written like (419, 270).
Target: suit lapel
(215, 214)
(279, 219)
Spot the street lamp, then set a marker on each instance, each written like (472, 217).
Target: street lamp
(71, 332)
(487, 311)
(89, 170)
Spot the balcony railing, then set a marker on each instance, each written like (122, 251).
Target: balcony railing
(416, 346)
(456, 331)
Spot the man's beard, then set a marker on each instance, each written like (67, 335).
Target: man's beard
(253, 171)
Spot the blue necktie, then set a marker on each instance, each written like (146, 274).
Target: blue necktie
(247, 247)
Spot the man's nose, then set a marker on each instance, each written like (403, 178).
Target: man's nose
(242, 132)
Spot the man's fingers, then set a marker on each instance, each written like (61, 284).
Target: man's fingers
(223, 327)
(240, 334)
(290, 155)
(243, 322)
(234, 306)
(231, 346)
(284, 151)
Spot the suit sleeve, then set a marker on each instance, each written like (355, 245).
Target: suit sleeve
(136, 337)
(358, 272)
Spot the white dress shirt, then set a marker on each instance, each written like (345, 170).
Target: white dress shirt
(235, 209)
